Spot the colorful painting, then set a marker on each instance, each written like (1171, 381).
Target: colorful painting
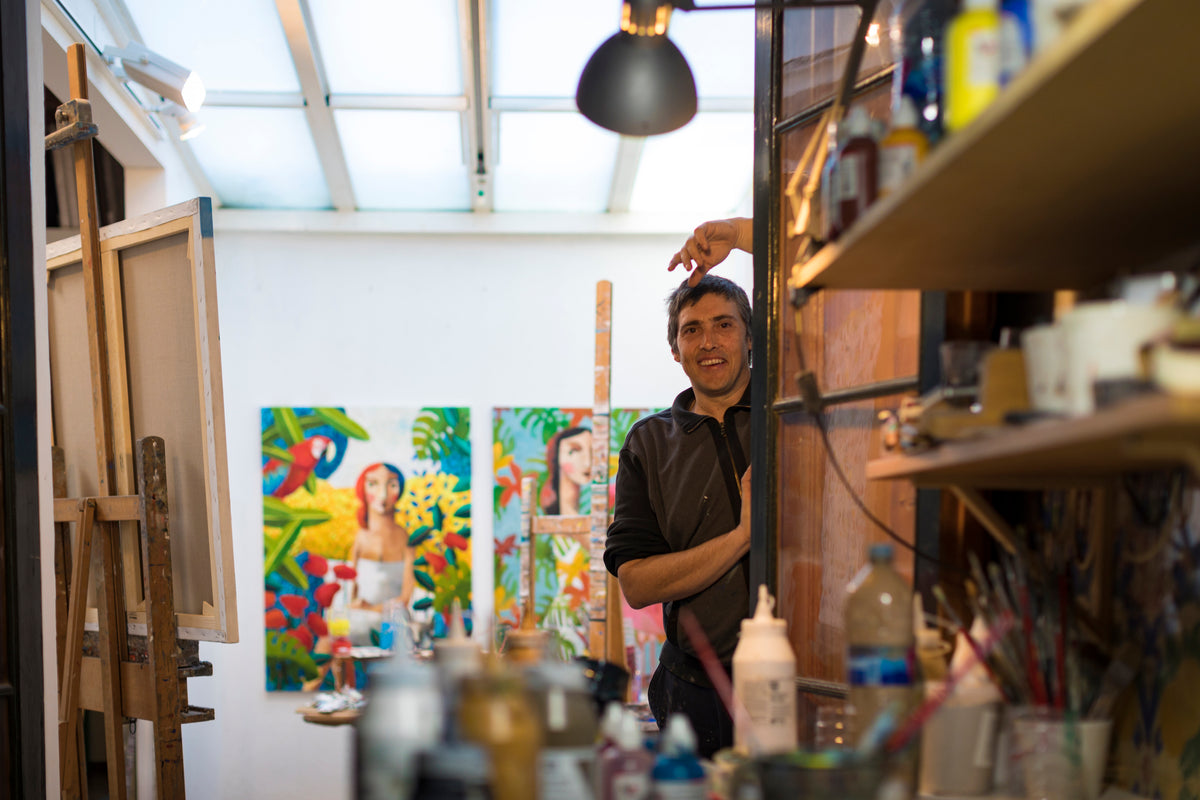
(366, 519)
(554, 446)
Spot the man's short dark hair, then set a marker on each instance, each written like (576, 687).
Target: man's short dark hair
(685, 296)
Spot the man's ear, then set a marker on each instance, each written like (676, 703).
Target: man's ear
(675, 355)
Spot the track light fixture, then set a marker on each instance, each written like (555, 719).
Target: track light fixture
(638, 83)
(164, 77)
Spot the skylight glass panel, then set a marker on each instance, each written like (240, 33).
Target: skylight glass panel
(235, 45)
(261, 158)
(719, 47)
(88, 18)
(705, 168)
(390, 47)
(539, 48)
(405, 160)
(553, 161)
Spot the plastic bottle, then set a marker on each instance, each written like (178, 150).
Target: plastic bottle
(920, 48)
(879, 635)
(972, 66)
(677, 774)
(610, 726)
(402, 720)
(857, 169)
(902, 149)
(495, 713)
(625, 768)
(559, 695)
(764, 680)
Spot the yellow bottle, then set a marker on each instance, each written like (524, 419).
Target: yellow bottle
(902, 149)
(972, 65)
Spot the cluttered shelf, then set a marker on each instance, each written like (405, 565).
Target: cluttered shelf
(1144, 432)
(1085, 166)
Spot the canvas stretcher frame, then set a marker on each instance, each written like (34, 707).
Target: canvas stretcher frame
(165, 364)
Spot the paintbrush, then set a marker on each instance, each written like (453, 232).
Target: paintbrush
(1016, 580)
(716, 674)
(940, 594)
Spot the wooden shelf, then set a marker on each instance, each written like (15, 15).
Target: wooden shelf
(1086, 166)
(1143, 433)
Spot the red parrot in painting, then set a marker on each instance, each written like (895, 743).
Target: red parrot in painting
(305, 456)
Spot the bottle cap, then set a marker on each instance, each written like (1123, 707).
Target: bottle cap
(678, 739)
(457, 650)
(881, 554)
(610, 725)
(858, 123)
(629, 735)
(906, 114)
(763, 620)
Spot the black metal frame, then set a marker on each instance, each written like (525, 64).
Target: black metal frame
(20, 561)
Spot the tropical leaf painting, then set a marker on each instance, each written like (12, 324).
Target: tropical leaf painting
(349, 496)
(521, 444)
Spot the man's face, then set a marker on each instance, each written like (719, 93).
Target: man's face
(713, 345)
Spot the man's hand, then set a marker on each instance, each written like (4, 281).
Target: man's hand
(744, 521)
(710, 244)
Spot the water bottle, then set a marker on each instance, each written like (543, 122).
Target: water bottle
(879, 637)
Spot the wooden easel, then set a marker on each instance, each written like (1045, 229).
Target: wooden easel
(150, 684)
(605, 637)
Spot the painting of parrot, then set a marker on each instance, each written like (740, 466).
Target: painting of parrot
(281, 479)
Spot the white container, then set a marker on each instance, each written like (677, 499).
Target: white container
(958, 750)
(1104, 342)
(1044, 348)
(764, 682)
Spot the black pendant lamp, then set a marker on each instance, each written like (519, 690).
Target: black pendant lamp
(638, 83)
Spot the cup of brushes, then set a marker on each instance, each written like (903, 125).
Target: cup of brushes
(1036, 672)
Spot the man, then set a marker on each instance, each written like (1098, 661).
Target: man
(681, 524)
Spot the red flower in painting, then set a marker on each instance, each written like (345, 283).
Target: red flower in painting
(268, 599)
(512, 486)
(302, 635)
(437, 562)
(275, 620)
(345, 572)
(316, 565)
(294, 603)
(507, 546)
(317, 623)
(455, 541)
(324, 594)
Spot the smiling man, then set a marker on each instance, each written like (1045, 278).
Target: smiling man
(681, 523)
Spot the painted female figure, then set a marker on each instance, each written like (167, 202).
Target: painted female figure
(381, 554)
(568, 469)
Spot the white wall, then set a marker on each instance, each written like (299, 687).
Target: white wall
(336, 319)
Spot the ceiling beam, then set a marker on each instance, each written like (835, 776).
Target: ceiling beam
(298, 28)
(478, 121)
(625, 169)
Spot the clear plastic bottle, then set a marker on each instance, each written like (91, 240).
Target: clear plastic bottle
(764, 681)
(403, 719)
(880, 640)
(677, 774)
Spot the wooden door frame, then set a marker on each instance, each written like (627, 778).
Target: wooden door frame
(20, 559)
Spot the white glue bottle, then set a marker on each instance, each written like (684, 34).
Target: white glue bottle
(764, 682)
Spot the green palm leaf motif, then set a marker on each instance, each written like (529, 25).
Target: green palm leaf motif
(544, 422)
(423, 578)
(337, 419)
(288, 425)
(278, 453)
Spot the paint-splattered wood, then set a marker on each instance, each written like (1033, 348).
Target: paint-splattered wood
(151, 465)
(561, 525)
(525, 579)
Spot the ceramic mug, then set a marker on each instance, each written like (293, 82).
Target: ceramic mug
(1044, 348)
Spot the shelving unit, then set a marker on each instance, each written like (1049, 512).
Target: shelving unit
(1142, 433)
(1086, 166)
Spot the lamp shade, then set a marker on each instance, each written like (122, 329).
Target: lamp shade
(637, 85)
